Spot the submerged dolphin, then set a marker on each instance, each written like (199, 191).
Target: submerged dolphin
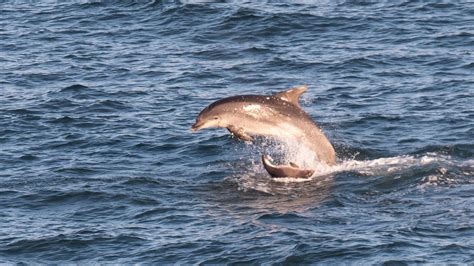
(279, 116)
(292, 169)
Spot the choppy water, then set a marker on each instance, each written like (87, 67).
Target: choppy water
(97, 163)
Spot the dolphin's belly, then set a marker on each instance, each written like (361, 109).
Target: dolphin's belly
(278, 130)
(310, 136)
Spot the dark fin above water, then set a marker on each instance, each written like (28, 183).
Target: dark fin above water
(292, 95)
(291, 170)
(294, 165)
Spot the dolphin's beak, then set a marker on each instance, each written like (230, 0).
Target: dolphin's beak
(196, 126)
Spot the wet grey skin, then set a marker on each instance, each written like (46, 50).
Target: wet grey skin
(291, 170)
(278, 116)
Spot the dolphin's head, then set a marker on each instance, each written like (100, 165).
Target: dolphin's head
(208, 118)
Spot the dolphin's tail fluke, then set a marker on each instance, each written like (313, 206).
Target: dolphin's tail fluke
(291, 170)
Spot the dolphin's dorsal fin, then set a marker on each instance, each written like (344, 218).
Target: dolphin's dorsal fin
(292, 95)
(294, 165)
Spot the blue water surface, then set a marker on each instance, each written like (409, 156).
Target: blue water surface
(98, 164)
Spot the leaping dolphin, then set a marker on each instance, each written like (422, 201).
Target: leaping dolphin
(279, 116)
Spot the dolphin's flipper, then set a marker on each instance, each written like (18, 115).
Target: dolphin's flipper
(292, 95)
(239, 133)
(285, 170)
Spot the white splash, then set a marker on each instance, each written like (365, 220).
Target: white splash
(256, 178)
(390, 165)
(299, 154)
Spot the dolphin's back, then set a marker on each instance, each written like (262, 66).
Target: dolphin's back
(282, 107)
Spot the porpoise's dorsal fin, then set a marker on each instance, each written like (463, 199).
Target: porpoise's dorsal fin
(292, 95)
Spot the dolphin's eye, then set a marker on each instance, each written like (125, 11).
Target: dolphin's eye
(215, 117)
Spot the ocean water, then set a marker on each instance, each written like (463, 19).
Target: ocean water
(98, 163)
